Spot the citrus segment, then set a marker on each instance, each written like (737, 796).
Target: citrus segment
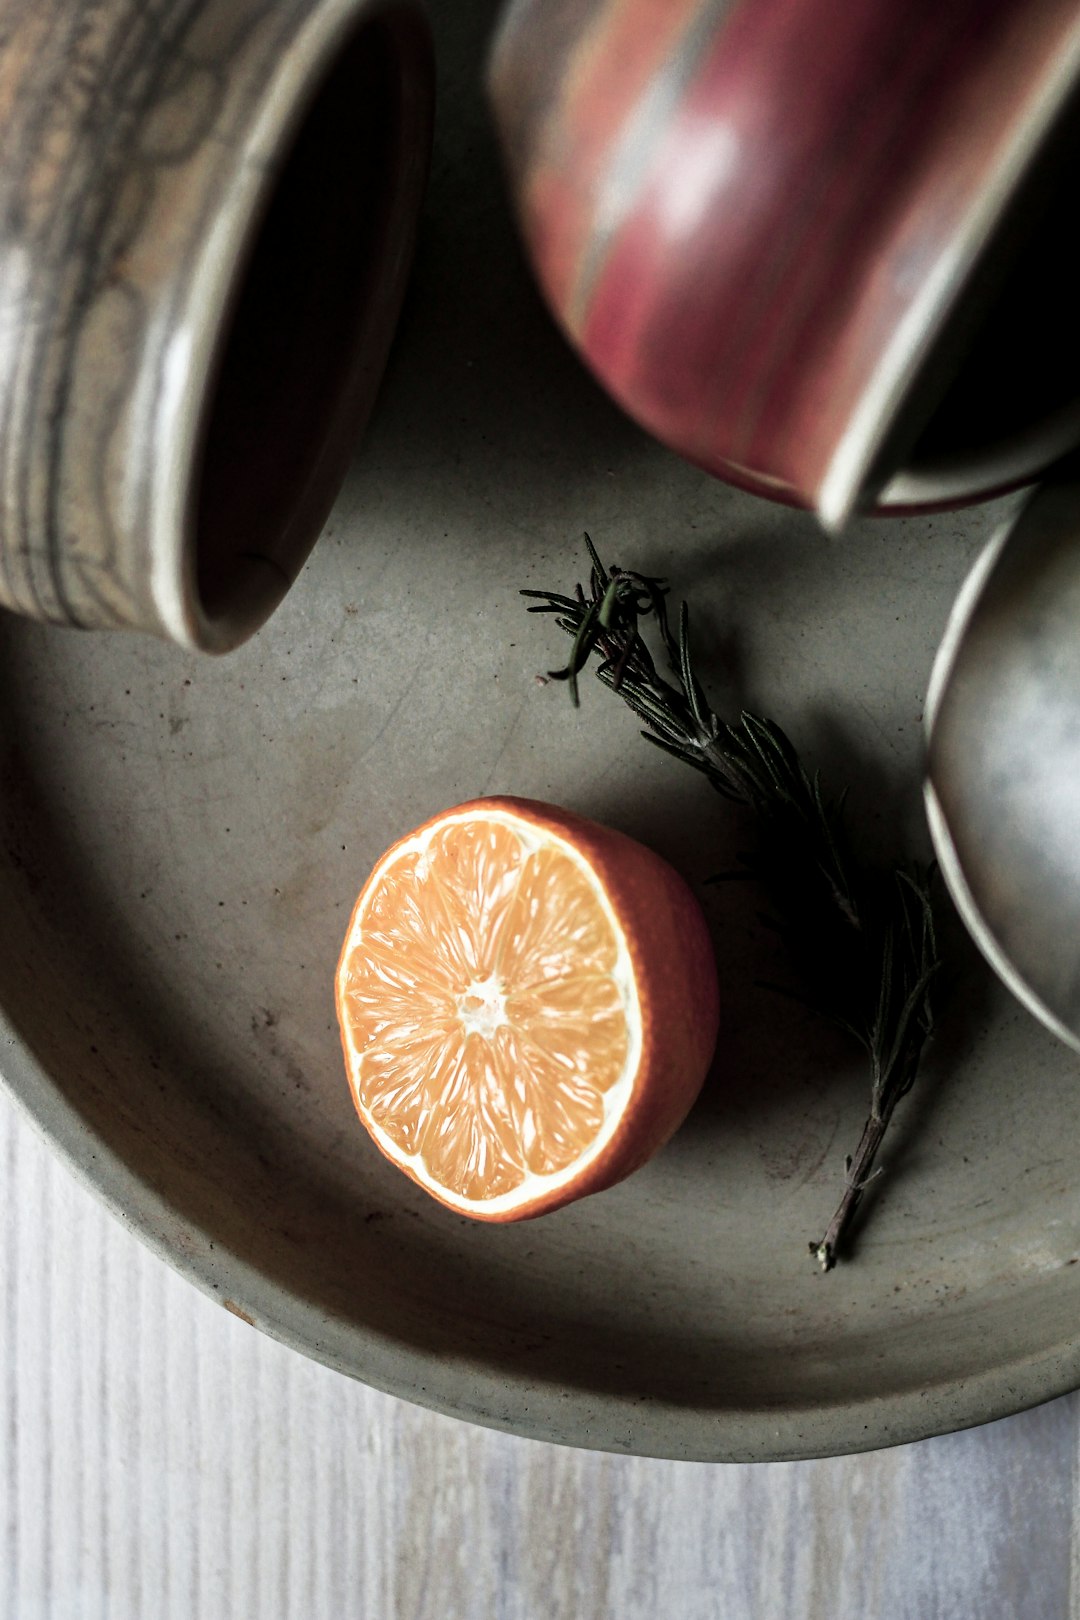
(490, 996)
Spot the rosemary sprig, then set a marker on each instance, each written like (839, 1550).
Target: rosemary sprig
(862, 939)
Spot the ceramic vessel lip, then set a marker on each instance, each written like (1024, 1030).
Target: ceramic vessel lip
(1000, 747)
(948, 856)
(201, 323)
(137, 237)
(961, 478)
(1004, 467)
(821, 321)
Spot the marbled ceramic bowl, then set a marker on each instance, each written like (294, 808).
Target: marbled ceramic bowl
(819, 251)
(207, 210)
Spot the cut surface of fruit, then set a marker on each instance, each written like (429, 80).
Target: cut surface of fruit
(496, 1006)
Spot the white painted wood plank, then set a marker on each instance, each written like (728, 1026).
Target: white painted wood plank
(161, 1459)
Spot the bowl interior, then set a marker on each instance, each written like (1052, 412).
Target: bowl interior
(310, 319)
(998, 398)
(182, 843)
(181, 840)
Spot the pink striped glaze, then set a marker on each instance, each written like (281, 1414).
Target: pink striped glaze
(753, 218)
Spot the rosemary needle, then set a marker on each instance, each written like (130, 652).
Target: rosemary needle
(862, 939)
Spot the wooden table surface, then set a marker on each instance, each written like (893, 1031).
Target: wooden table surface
(160, 1460)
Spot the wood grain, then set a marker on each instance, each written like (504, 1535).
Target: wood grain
(159, 1458)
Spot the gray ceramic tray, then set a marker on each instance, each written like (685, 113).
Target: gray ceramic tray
(182, 839)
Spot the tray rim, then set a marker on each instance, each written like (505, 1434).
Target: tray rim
(476, 1392)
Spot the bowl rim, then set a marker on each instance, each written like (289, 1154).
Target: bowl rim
(207, 299)
(476, 1391)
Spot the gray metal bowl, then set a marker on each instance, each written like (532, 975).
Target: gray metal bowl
(1003, 789)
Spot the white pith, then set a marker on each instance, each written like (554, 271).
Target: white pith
(482, 1008)
(487, 1017)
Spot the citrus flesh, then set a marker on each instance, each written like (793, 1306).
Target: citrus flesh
(489, 994)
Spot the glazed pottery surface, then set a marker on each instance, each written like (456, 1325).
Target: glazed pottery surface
(1004, 756)
(207, 210)
(823, 252)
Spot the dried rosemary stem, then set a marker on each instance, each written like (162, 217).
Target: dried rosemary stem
(862, 939)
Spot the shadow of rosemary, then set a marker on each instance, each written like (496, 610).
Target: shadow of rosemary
(860, 935)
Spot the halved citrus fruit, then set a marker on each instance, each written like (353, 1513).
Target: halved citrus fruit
(528, 1006)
